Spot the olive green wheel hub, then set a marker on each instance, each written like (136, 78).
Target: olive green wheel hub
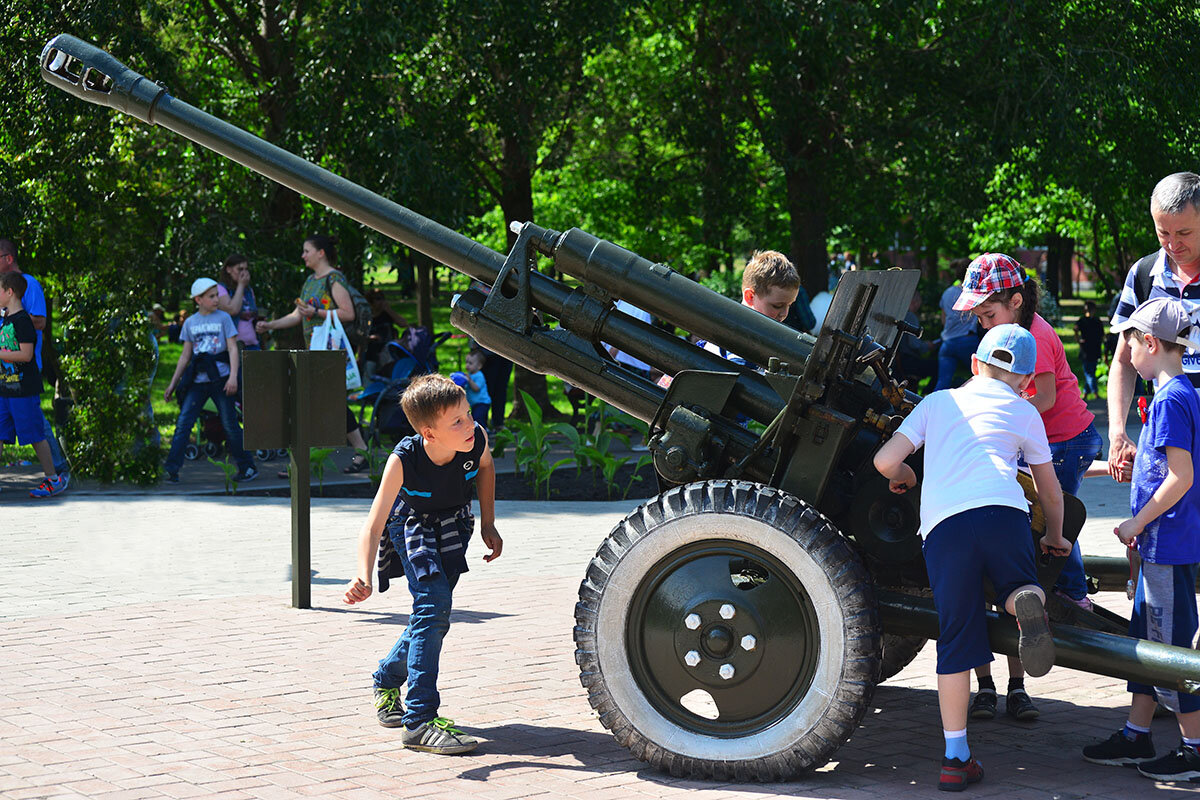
(729, 621)
(726, 630)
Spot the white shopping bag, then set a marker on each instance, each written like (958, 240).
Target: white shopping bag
(332, 336)
(320, 334)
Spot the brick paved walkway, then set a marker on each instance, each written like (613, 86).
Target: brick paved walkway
(149, 651)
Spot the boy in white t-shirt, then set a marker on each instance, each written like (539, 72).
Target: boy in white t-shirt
(975, 521)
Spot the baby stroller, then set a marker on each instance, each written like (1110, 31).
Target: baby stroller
(210, 435)
(413, 354)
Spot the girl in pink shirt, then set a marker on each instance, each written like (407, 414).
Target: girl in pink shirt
(997, 292)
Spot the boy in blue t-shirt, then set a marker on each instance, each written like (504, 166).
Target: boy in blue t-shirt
(424, 501)
(975, 522)
(207, 370)
(1166, 528)
(477, 391)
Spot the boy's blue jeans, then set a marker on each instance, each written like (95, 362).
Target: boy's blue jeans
(1089, 376)
(415, 656)
(193, 401)
(952, 353)
(1071, 460)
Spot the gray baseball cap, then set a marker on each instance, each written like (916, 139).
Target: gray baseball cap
(1162, 317)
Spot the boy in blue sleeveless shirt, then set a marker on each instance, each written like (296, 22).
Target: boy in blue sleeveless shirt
(424, 502)
(1165, 528)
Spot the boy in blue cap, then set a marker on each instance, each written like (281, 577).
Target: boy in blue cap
(1164, 527)
(975, 521)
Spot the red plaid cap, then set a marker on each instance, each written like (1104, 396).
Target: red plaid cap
(987, 275)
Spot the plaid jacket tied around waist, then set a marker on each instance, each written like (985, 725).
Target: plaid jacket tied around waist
(432, 542)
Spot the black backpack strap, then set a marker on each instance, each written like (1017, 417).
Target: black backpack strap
(1142, 279)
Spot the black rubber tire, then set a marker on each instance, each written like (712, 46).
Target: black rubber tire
(810, 725)
(898, 653)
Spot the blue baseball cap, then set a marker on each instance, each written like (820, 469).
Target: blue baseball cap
(1009, 347)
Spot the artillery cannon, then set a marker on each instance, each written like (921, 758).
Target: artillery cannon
(736, 625)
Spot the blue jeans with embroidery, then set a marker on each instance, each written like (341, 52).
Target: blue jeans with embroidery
(952, 353)
(1071, 460)
(189, 411)
(414, 658)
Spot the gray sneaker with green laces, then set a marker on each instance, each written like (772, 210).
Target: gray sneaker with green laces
(438, 735)
(389, 707)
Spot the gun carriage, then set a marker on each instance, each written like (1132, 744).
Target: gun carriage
(734, 626)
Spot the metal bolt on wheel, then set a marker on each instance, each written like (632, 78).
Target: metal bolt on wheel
(742, 594)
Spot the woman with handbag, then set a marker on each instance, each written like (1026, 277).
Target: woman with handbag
(326, 291)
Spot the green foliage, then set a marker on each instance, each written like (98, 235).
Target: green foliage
(727, 282)
(228, 470)
(108, 358)
(320, 460)
(533, 440)
(593, 445)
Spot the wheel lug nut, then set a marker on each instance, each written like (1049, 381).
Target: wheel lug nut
(726, 611)
(726, 671)
(749, 642)
(692, 621)
(692, 658)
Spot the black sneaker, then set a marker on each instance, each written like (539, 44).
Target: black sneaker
(389, 707)
(247, 474)
(172, 477)
(438, 736)
(1181, 764)
(1118, 750)
(1018, 706)
(983, 705)
(1035, 646)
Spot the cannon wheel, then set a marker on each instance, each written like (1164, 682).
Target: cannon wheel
(898, 653)
(745, 600)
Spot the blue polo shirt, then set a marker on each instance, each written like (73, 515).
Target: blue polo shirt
(1172, 420)
(34, 301)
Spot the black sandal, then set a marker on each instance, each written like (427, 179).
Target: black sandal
(357, 464)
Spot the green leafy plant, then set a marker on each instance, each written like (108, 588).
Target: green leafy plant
(533, 440)
(320, 459)
(593, 446)
(375, 464)
(227, 472)
(642, 461)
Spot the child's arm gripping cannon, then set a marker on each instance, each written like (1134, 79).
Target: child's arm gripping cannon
(759, 576)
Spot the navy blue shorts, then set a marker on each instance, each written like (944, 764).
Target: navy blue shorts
(995, 541)
(1164, 610)
(21, 420)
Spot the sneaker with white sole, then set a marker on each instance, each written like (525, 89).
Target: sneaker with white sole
(1018, 705)
(1181, 764)
(389, 708)
(1119, 750)
(247, 474)
(983, 706)
(439, 736)
(49, 487)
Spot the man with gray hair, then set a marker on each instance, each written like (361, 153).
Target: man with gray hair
(1172, 271)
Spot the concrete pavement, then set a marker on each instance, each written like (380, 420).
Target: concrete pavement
(149, 651)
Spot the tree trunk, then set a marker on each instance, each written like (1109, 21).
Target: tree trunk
(516, 201)
(808, 223)
(1066, 264)
(424, 290)
(1054, 245)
